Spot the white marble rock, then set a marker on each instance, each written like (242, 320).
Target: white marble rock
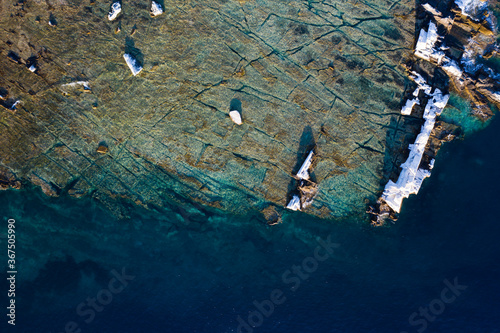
(235, 117)
(132, 64)
(116, 8)
(156, 9)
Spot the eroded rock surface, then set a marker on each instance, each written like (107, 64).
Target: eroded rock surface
(325, 71)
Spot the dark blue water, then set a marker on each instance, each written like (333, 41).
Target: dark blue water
(436, 270)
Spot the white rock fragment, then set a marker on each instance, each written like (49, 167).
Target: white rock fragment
(304, 169)
(471, 51)
(13, 107)
(411, 176)
(431, 9)
(422, 84)
(491, 19)
(235, 117)
(452, 69)
(494, 95)
(32, 68)
(84, 84)
(436, 105)
(472, 8)
(116, 8)
(294, 204)
(307, 188)
(156, 9)
(425, 45)
(406, 110)
(445, 21)
(132, 64)
(431, 164)
(492, 74)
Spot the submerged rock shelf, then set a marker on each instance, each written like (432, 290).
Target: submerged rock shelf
(328, 72)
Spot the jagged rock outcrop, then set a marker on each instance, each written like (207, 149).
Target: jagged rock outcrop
(455, 39)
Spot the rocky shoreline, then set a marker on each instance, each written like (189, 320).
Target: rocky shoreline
(453, 40)
(155, 130)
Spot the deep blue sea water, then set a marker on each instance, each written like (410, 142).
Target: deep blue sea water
(200, 277)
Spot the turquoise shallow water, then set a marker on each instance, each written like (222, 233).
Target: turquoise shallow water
(200, 276)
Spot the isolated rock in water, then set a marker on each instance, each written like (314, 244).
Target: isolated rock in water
(132, 63)
(116, 8)
(156, 9)
(271, 215)
(235, 117)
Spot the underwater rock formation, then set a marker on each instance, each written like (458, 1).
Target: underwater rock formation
(332, 66)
